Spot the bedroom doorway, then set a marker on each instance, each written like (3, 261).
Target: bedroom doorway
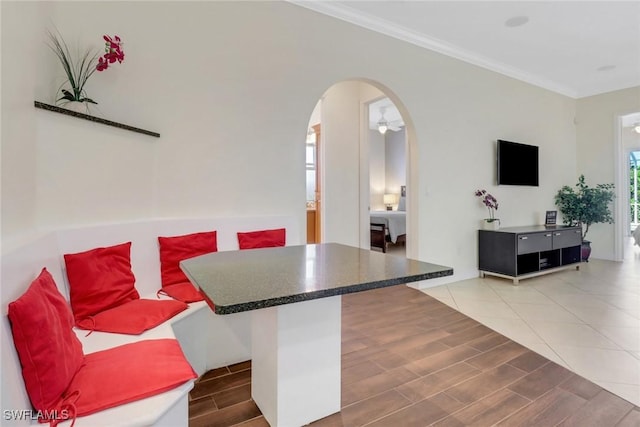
(387, 177)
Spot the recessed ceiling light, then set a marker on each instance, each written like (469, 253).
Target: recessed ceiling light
(516, 21)
(606, 67)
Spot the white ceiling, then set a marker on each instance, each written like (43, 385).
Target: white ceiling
(577, 48)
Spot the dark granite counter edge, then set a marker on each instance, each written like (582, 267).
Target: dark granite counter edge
(90, 118)
(307, 296)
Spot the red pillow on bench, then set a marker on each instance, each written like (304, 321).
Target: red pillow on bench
(133, 317)
(262, 239)
(178, 248)
(103, 296)
(184, 292)
(128, 373)
(49, 351)
(100, 279)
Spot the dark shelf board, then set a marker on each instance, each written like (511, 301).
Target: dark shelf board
(60, 110)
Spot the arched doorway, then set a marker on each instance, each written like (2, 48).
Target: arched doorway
(344, 167)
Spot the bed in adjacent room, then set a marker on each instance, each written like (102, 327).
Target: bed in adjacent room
(388, 226)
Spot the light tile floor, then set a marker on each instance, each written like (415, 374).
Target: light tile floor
(586, 320)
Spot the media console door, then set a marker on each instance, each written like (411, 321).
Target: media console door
(522, 252)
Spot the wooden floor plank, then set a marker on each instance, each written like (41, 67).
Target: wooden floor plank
(540, 381)
(437, 382)
(605, 409)
(529, 361)
(420, 414)
(632, 419)
(486, 383)
(550, 410)
(221, 383)
(497, 355)
(487, 411)
(375, 407)
(371, 386)
(231, 396)
(442, 360)
(232, 415)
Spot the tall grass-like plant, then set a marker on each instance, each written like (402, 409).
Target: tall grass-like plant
(79, 71)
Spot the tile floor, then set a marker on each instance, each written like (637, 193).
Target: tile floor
(587, 321)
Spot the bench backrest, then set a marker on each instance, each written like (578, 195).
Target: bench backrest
(21, 265)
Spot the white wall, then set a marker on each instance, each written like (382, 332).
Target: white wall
(231, 88)
(377, 171)
(387, 165)
(341, 139)
(21, 27)
(396, 161)
(597, 124)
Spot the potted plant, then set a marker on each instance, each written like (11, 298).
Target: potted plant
(584, 206)
(490, 202)
(78, 70)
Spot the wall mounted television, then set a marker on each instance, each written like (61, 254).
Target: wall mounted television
(517, 163)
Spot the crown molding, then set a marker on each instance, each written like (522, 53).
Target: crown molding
(379, 25)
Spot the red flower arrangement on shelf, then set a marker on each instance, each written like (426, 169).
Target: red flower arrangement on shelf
(113, 49)
(79, 71)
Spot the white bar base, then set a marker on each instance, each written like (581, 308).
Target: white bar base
(296, 361)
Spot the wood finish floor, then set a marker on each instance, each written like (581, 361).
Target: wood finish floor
(410, 360)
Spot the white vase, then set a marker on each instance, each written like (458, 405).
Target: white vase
(491, 225)
(77, 106)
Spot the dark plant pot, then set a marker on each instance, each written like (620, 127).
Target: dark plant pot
(586, 250)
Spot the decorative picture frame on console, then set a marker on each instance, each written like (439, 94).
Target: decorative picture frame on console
(550, 218)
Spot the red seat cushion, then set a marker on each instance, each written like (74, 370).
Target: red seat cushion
(178, 248)
(128, 373)
(262, 239)
(49, 351)
(100, 279)
(184, 292)
(133, 317)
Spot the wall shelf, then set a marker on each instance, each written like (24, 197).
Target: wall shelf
(60, 110)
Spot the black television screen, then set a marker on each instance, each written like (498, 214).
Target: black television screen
(517, 164)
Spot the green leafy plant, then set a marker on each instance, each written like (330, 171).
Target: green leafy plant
(78, 72)
(585, 205)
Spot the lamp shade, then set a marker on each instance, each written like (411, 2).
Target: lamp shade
(389, 199)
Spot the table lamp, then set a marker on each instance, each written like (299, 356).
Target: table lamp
(389, 200)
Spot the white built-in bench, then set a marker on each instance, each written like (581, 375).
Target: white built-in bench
(208, 341)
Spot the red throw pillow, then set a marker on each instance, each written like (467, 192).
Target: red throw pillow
(100, 279)
(262, 239)
(178, 248)
(133, 317)
(128, 373)
(184, 292)
(49, 351)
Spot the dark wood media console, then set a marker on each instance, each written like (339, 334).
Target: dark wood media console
(521, 252)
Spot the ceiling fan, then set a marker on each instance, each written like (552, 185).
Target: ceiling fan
(384, 125)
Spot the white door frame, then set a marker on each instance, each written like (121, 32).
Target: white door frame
(621, 181)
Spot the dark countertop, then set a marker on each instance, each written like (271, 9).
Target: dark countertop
(534, 228)
(245, 280)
